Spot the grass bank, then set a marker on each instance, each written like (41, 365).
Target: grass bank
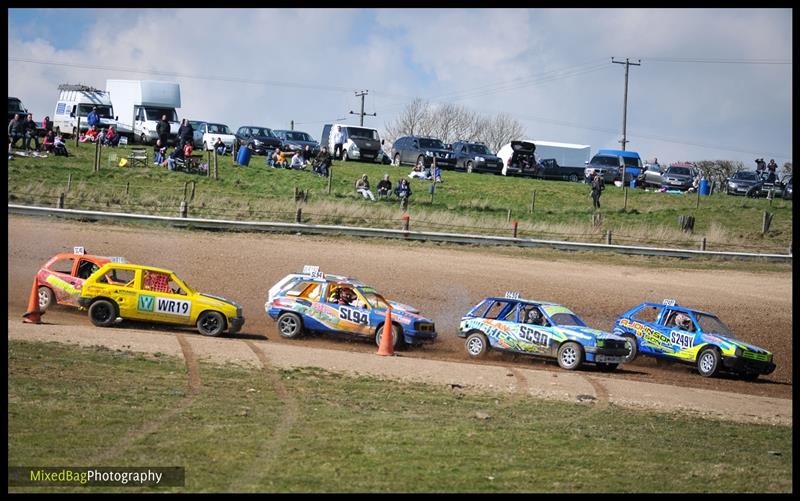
(312, 431)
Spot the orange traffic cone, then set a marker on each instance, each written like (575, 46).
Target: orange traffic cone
(386, 349)
(33, 315)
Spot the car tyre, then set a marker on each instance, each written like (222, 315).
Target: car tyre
(46, 298)
(570, 355)
(397, 334)
(102, 313)
(708, 362)
(143, 139)
(396, 161)
(607, 367)
(289, 325)
(469, 167)
(211, 323)
(477, 345)
(632, 347)
(573, 178)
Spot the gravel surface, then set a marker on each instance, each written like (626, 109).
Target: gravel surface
(443, 281)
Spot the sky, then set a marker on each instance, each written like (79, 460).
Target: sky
(712, 84)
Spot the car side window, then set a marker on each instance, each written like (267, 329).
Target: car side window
(647, 314)
(63, 266)
(118, 277)
(86, 268)
(499, 310)
(154, 281)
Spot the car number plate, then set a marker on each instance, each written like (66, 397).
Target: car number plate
(608, 360)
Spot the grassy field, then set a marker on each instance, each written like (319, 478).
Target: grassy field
(464, 203)
(312, 431)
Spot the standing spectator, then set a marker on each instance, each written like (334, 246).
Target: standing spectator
(47, 125)
(16, 130)
(49, 139)
(384, 187)
(111, 138)
(220, 147)
(772, 167)
(362, 186)
(162, 129)
(598, 185)
(322, 162)
(338, 143)
(92, 118)
(298, 162)
(186, 132)
(307, 154)
(177, 154)
(403, 192)
(31, 133)
(761, 165)
(59, 146)
(158, 152)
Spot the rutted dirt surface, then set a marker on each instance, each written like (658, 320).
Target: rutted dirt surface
(442, 281)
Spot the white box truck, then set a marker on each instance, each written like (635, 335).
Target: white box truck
(141, 104)
(76, 101)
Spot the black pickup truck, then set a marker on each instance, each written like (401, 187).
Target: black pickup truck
(549, 169)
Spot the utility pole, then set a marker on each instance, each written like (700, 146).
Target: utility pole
(627, 63)
(362, 94)
(291, 125)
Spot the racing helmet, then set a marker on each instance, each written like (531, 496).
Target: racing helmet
(683, 321)
(534, 316)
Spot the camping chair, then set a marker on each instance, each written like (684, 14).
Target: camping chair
(138, 156)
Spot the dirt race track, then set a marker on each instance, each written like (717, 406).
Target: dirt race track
(442, 281)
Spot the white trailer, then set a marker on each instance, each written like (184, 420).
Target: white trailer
(76, 101)
(566, 154)
(141, 104)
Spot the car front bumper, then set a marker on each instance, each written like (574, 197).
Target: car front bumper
(236, 324)
(741, 364)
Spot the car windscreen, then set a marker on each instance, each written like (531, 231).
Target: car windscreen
(373, 298)
(15, 106)
(102, 111)
(480, 149)
(679, 171)
(218, 129)
(567, 319)
(359, 133)
(431, 143)
(746, 176)
(712, 325)
(632, 161)
(294, 135)
(157, 113)
(609, 161)
(263, 132)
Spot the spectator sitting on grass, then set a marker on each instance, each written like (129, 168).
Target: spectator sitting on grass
(298, 162)
(322, 162)
(59, 146)
(384, 187)
(220, 147)
(31, 133)
(16, 130)
(91, 135)
(187, 150)
(49, 139)
(111, 137)
(279, 159)
(176, 154)
(158, 152)
(362, 186)
(403, 192)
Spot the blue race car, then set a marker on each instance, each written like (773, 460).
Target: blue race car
(691, 336)
(314, 301)
(538, 328)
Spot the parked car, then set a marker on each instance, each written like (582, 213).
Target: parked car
(314, 301)
(360, 143)
(787, 188)
(678, 177)
(264, 141)
(538, 328)
(607, 166)
(518, 158)
(744, 182)
(475, 157)
(206, 134)
(61, 278)
(413, 150)
(295, 140)
(548, 168)
(688, 335)
(652, 175)
(157, 295)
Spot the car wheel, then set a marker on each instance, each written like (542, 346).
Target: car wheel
(606, 367)
(396, 162)
(46, 298)
(211, 323)
(102, 313)
(477, 345)
(708, 362)
(570, 355)
(630, 342)
(469, 167)
(396, 335)
(289, 325)
(143, 139)
(573, 178)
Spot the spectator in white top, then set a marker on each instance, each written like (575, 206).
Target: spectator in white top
(362, 186)
(297, 161)
(338, 142)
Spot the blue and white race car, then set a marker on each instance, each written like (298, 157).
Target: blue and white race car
(691, 336)
(313, 301)
(538, 328)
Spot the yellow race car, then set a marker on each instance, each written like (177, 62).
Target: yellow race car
(120, 291)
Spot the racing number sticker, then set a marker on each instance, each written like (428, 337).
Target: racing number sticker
(355, 316)
(166, 306)
(683, 340)
(533, 336)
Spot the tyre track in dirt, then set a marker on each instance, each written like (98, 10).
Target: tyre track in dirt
(194, 385)
(263, 459)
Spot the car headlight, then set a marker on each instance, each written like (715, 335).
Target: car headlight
(732, 185)
(480, 159)
(600, 343)
(738, 352)
(428, 154)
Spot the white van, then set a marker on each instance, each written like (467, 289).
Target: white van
(77, 101)
(142, 103)
(360, 143)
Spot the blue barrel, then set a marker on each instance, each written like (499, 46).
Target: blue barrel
(244, 156)
(704, 188)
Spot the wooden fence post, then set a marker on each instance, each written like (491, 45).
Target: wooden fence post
(69, 181)
(697, 205)
(766, 220)
(97, 156)
(184, 209)
(533, 201)
(298, 216)
(625, 204)
(406, 221)
(515, 228)
(330, 177)
(608, 237)
(127, 188)
(60, 202)
(703, 244)
(508, 216)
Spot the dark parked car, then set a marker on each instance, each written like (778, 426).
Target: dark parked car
(748, 183)
(413, 150)
(606, 165)
(476, 157)
(677, 177)
(549, 169)
(295, 140)
(262, 139)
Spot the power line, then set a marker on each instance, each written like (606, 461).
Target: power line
(716, 61)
